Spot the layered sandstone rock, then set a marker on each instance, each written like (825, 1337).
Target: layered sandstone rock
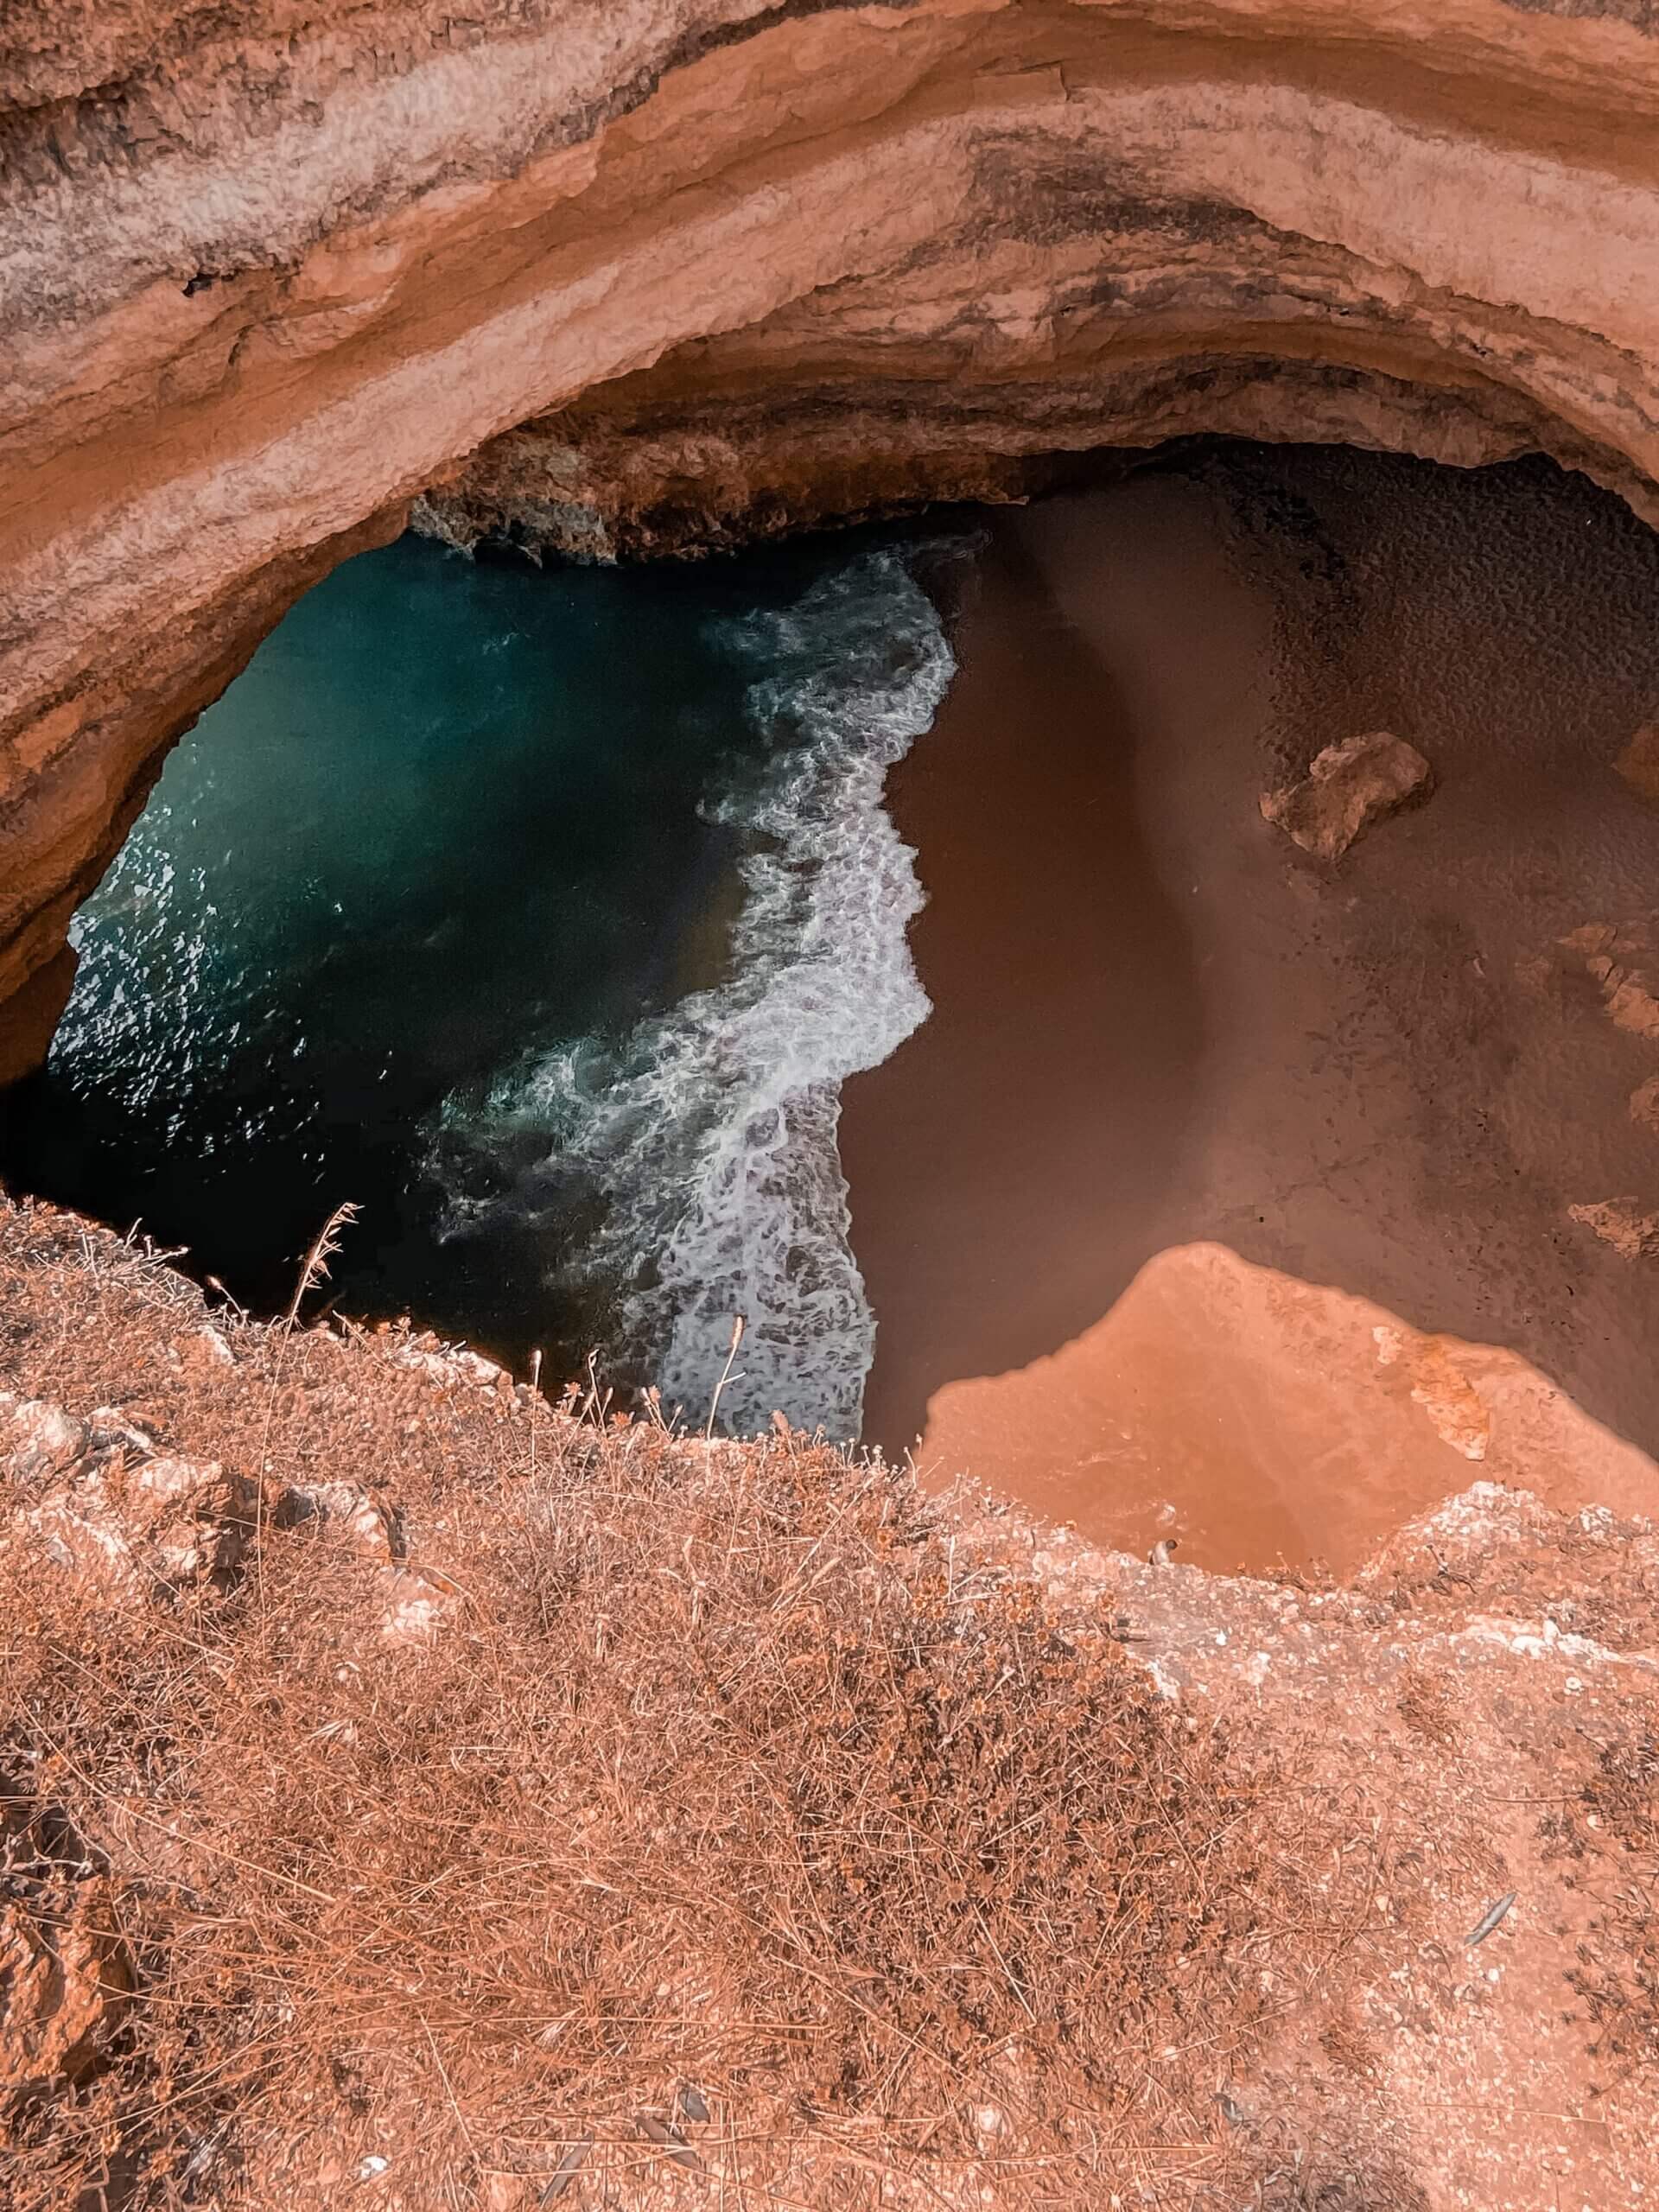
(268, 276)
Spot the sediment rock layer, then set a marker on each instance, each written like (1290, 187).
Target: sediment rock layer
(675, 270)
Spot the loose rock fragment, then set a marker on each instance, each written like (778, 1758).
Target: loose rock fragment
(346, 1512)
(37, 1438)
(1619, 1223)
(100, 1500)
(1644, 1105)
(1623, 958)
(63, 1983)
(415, 1606)
(1489, 1919)
(1349, 787)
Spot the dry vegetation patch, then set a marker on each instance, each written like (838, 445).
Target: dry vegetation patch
(711, 1824)
(1617, 1974)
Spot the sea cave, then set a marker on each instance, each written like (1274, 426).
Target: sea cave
(827, 949)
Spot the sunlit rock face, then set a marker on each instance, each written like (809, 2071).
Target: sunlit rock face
(609, 276)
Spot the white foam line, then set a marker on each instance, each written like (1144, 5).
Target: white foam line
(712, 1131)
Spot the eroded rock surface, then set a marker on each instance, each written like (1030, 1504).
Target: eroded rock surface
(677, 270)
(64, 1984)
(103, 1501)
(1487, 1639)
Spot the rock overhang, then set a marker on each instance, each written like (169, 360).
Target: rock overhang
(617, 279)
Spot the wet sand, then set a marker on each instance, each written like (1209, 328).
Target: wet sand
(1158, 1026)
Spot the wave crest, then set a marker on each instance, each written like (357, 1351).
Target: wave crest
(710, 1133)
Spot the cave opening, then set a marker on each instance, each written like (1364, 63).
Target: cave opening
(879, 934)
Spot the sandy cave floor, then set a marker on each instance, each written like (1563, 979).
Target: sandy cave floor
(1169, 1050)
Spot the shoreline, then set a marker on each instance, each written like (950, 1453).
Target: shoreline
(1158, 1026)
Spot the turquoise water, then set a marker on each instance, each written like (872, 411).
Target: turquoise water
(541, 914)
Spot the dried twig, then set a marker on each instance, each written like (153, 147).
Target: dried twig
(738, 1325)
(325, 1246)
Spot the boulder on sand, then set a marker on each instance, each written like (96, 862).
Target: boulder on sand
(1349, 787)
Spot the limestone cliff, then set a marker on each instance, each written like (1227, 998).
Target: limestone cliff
(670, 270)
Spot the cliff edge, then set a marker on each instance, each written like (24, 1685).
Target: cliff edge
(415, 1794)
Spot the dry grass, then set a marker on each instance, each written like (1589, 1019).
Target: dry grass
(1617, 1974)
(732, 1837)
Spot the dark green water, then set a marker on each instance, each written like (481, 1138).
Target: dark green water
(519, 908)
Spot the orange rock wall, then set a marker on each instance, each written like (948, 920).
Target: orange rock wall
(679, 270)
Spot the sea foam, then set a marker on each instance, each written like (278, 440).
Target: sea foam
(710, 1133)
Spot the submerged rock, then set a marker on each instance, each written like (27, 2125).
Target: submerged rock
(1350, 786)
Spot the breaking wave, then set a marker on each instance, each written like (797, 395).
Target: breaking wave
(708, 1135)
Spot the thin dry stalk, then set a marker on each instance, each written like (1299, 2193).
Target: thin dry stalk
(738, 1325)
(325, 1246)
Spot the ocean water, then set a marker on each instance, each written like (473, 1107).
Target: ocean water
(542, 914)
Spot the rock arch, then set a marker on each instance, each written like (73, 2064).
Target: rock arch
(622, 274)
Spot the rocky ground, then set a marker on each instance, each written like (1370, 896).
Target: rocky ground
(418, 1793)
